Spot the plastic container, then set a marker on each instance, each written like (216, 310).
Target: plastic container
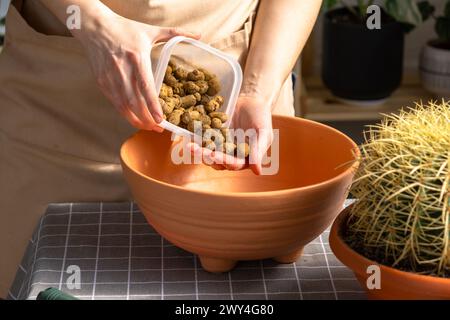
(190, 54)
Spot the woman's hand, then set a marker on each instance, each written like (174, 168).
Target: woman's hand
(250, 113)
(118, 50)
(255, 113)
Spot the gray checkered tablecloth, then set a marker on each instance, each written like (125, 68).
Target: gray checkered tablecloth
(121, 257)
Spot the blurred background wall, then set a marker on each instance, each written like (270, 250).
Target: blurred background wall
(3, 7)
(414, 43)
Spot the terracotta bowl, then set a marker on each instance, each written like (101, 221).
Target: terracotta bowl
(394, 284)
(227, 216)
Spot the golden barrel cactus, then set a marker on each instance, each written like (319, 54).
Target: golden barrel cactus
(402, 215)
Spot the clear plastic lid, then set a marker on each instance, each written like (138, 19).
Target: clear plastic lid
(190, 54)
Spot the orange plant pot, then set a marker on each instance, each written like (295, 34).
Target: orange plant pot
(227, 216)
(394, 283)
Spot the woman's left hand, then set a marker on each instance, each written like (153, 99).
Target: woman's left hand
(250, 113)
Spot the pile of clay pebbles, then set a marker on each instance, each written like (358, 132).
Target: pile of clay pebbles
(190, 100)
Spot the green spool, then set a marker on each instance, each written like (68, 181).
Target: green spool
(54, 294)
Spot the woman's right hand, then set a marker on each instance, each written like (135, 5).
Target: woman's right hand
(118, 50)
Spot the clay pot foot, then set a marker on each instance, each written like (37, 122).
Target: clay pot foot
(217, 265)
(289, 258)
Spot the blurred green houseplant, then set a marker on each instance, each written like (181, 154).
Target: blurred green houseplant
(442, 25)
(435, 56)
(363, 64)
(406, 12)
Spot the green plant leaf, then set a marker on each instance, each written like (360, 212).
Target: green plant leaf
(405, 11)
(426, 9)
(447, 10)
(329, 4)
(443, 28)
(362, 8)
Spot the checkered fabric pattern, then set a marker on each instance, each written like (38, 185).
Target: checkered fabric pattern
(121, 257)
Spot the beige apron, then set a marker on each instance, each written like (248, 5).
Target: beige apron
(59, 137)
